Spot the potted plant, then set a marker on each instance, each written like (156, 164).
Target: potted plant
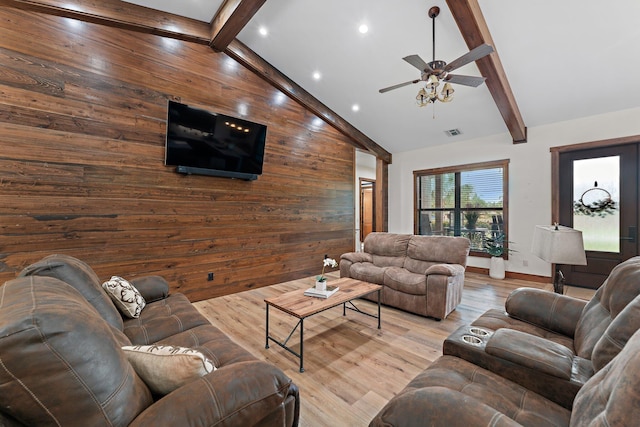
(471, 218)
(495, 247)
(321, 281)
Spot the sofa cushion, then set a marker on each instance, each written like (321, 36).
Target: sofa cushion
(367, 272)
(441, 249)
(386, 244)
(62, 360)
(125, 296)
(405, 281)
(166, 368)
(162, 319)
(617, 334)
(417, 266)
(211, 342)
(610, 397)
(509, 398)
(388, 261)
(82, 277)
(621, 286)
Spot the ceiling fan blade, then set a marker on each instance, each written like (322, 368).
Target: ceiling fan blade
(387, 89)
(418, 62)
(473, 55)
(465, 80)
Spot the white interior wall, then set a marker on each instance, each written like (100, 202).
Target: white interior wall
(529, 176)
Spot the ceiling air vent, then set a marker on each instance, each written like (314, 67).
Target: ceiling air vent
(453, 132)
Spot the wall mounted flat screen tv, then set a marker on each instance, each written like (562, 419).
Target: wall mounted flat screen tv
(204, 143)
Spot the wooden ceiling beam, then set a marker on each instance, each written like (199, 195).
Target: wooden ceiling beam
(122, 15)
(475, 32)
(230, 19)
(241, 53)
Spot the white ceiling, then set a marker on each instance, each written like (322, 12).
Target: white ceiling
(564, 60)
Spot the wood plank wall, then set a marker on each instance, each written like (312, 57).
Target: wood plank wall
(82, 129)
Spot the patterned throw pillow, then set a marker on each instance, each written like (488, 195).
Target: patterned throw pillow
(125, 296)
(165, 368)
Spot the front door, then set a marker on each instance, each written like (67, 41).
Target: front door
(598, 195)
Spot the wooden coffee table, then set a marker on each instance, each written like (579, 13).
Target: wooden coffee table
(298, 305)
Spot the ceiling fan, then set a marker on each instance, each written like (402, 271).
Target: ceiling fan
(436, 71)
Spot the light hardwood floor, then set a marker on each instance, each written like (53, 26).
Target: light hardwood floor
(352, 368)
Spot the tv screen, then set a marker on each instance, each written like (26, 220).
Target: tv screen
(201, 142)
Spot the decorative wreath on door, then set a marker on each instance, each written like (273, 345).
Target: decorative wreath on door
(595, 202)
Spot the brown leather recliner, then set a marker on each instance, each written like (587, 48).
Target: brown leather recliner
(552, 344)
(61, 361)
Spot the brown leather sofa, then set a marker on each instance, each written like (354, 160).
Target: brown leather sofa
(61, 361)
(453, 392)
(550, 343)
(420, 274)
(549, 360)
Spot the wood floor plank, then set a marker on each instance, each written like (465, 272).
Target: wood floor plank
(352, 368)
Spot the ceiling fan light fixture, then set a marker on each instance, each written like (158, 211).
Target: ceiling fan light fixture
(422, 98)
(435, 71)
(432, 82)
(447, 92)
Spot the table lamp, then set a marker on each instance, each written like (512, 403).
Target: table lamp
(558, 245)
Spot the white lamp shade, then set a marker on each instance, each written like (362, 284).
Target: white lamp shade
(563, 245)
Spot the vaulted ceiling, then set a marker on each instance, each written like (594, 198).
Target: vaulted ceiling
(554, 61)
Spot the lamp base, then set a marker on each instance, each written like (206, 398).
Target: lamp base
(558, 281)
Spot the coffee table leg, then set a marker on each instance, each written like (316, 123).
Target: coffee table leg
(266, 345)
(379, 308)
(301, 345)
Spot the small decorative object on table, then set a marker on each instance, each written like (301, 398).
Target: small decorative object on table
(314, 292)
(321, 281)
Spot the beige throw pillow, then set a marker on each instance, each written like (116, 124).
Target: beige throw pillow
(125, 296)
(166, 368)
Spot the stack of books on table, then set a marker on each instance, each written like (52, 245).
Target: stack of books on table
(313, 292)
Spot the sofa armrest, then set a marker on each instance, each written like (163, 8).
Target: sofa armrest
(555, 312)
(532, 352)
(439, 406)
(152, 288)
(357, 257)
(242, 394)
(445, 269)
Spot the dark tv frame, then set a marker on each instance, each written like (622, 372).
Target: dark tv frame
(193, 170)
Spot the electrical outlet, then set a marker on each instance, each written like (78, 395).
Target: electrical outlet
(525, 263)
(210, 277)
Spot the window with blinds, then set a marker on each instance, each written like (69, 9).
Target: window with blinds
(467, 200)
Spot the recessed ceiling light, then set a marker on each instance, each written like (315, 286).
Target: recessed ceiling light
(363, 29)
(355, 107)
(263, 31)
(279, 98)
(317, 75)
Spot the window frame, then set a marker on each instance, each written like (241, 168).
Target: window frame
(504, 164)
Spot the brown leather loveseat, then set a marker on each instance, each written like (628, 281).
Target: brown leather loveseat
(62, 362)
(420, 274)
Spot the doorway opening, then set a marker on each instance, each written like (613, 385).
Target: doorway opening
(367, 208)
